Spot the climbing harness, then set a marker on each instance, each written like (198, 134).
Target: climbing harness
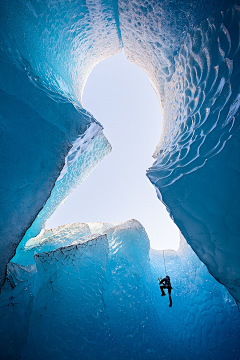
(167, 284)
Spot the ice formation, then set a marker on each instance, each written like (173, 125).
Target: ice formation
(96, 296)
(197, 166)
(49, 145)
(45, 49)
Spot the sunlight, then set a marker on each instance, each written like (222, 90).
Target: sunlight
(120, 97)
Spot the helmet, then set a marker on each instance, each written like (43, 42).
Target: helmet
(168, 277)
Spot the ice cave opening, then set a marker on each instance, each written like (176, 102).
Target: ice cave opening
(109, 194)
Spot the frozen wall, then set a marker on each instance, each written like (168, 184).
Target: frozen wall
(190, 51)
(197, 168)
(204, 317)
(97, 297)
(75, 175)
(37, 133)
(47, 51)
(59, 43)
(153, 31)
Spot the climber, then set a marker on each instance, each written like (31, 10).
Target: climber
(166, 285)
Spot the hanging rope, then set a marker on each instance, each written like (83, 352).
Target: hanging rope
(164, 263)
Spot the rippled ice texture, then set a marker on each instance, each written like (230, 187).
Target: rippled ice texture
(197, 168)
(47, 52)
(86, 296)
(36, 134)
(190, 51)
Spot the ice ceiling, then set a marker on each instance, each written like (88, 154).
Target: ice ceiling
(49, 143)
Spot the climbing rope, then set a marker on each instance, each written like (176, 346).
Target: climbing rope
(164, 263)
(159, 279)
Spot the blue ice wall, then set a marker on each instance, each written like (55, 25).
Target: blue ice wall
(153, 31)
(59, 43)
(76, 174)
(190, 51)
(47, 53)
(97, 297)
(203, 311)
(37, 133)
(197, 168)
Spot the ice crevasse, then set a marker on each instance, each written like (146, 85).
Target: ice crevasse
(49, 145)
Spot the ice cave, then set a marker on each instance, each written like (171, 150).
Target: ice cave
(90, 290)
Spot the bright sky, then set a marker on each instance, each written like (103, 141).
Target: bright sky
(120, 97)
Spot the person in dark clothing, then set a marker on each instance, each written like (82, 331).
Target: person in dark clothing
(166, 284)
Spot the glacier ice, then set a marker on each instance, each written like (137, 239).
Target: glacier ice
(199, 146)
(49, 144)
(96, 296)
(35, 89)
(75, 175)
(32, 151)
(191, 55)
(58, 44)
